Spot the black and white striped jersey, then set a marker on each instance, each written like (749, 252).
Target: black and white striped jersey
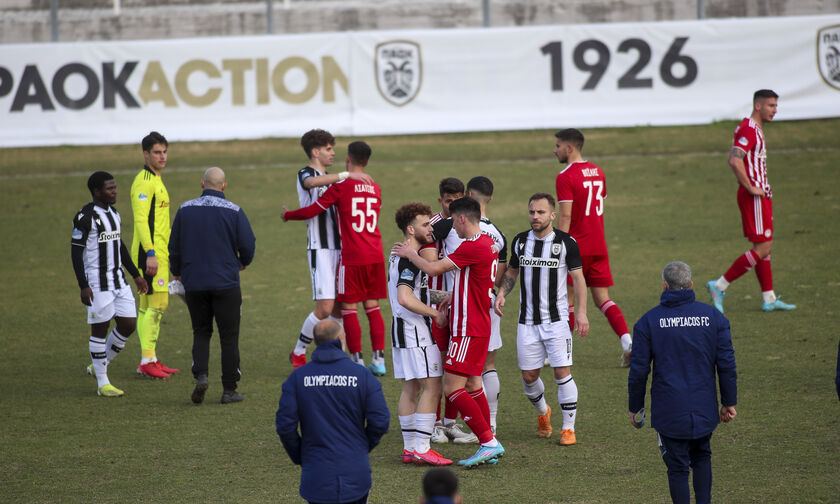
(97, 230)
(444, 232)
(408, 329)
(543, 265)
(321, 230)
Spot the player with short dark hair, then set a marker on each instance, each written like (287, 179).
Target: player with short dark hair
(748, 160)
(581, 190)
(475, 262)
(417, 360)
(546, 256)
(323, 239)
(98, 252)
(361, 271)
(150, 250)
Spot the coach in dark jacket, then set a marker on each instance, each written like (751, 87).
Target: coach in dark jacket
(688, 342)
(342, 415)
(211, 241)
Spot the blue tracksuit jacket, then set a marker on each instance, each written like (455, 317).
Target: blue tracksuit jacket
(688, 342)
(210, 238)
(342, 415)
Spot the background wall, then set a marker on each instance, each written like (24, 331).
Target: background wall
(29, 20)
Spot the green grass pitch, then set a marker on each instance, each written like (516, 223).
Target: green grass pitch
(671, 196)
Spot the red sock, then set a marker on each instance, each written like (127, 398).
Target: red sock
(352, 330)
(481, 400)
(377, 328)
(437, 413)
(471, 413)
(744, 263)
(450, 411)
(614, 317)
(764, 272)
(571, 317)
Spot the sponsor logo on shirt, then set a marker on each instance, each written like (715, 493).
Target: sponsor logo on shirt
(406, 275)
(142, 197)
(77, 234)
(105, 236)
(539, 262)
(743, 141)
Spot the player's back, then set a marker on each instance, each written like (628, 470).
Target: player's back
(358, 207)
(584, 185)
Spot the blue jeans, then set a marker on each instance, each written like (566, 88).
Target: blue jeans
(681, 454)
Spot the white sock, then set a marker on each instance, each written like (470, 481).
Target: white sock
(626, 342)
(100, 365)
(721, 284)
(535, 392)
(424, 423)
(490, 381)
(114, 345)
(378, 357)
(146, 360)
(492, 443)
(768, 296)
(448, 421)
(567, 396)
(408, 428)
(357, 358)
(305, 337)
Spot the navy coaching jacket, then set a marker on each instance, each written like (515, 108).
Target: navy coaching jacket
(688, 342)
(342, 415)
(210, 238)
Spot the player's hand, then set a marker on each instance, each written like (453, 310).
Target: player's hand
(497, 306)
(283, 214)
(151, 266)
(441, 319)
(756, 191)
(727, 413)
(142, 286)
(361, 177)
(87, 296)
(581, 325)
(402, 249)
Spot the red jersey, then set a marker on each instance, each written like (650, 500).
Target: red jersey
(476, 261)
(358, 206)
(585, 185)
(750, 139)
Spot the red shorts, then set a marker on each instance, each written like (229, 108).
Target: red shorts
(756, 216)
(441, 336)
(357, 283)
(596, 272)
(466, 355)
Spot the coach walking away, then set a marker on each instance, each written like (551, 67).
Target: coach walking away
(687, 342)
(342, 415)
(211, 242)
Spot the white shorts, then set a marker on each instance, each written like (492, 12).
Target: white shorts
(323, 266)
(108, 304)
(495, 330)
(535, 342)
(417, 362)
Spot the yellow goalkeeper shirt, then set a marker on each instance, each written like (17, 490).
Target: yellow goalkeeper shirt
(150, 206)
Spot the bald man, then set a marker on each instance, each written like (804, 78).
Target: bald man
(211, 242)
(341, 414)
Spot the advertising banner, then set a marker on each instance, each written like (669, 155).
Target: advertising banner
(418, 81)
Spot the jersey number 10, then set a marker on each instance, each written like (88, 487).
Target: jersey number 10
(367, 217)
(598, 186)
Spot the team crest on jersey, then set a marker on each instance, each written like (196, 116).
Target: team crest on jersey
(556, 248)
(160, 282)
(399, 71)
(828, 55)
(77, 234)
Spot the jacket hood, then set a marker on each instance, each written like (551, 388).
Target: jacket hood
(676, 297)
(329, 352)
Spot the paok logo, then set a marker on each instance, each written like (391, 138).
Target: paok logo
(399, 71)
(828, 55)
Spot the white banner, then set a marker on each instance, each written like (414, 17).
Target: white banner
(417, 81)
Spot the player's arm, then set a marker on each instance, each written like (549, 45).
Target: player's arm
(78, 242)
(502, 266)
(431, 268)
(406, 298)
(565, 195)
(736, 162)
(506, 285)
(128, 264)
(437, 297)
(142, 192)
(327, 200)
(564, 216)
(332, 178)
(574, 266)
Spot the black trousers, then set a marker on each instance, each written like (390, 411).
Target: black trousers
(225, 306)
(681, 454)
